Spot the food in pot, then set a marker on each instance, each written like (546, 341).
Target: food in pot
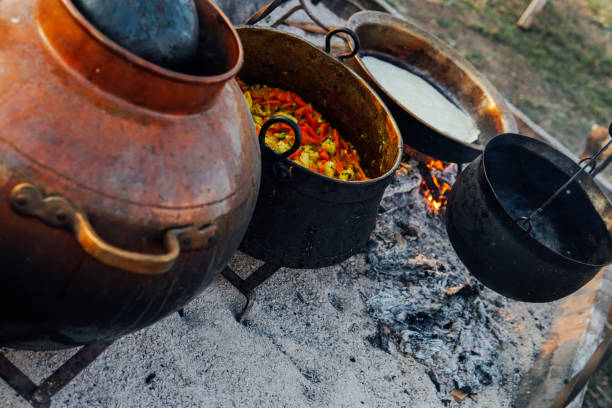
(322, 150)
(423, 100)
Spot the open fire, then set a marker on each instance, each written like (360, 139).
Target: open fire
(434, 187)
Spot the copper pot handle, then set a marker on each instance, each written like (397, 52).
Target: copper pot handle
(56, 211)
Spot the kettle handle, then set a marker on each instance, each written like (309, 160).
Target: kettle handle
(56, 211)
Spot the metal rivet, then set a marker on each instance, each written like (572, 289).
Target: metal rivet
(21, 200)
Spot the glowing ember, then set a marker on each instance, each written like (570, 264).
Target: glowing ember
(433, 188)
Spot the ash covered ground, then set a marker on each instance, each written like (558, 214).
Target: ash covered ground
(428, 306)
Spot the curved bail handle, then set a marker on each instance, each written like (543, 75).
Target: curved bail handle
(526, 222)
(55, 211)
(351, 33)
(287, 121)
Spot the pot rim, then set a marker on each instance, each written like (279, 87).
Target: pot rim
(370, 17)
(132, 58)
(521, 140)
(400, 150)
(384, 176)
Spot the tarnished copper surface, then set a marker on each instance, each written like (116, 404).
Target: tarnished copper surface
(136, 148)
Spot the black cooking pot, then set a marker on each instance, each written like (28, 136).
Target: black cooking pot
(406, 45)
(303, 219)
(566, 244)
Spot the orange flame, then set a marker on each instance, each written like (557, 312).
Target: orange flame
(436, 165)
(435, 199)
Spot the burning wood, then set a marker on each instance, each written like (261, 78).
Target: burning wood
(434, 186)
(459, 396)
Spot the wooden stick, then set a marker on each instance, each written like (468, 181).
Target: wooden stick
(530, 12)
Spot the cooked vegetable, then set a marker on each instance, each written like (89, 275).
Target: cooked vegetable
(322, 150)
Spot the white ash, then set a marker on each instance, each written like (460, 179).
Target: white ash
(428, 305)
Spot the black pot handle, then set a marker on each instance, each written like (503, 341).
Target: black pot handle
(280, 169)
(287, 121)
(351, 33)
(525, 222)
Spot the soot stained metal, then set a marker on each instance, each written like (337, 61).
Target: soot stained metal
(562, 247)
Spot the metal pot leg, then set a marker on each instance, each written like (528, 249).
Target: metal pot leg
(39, 396)
(247, 286)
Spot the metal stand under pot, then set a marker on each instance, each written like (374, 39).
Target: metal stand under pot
(39, 396)
(304, 219)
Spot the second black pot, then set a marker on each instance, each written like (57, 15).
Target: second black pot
(304, 219)
(569, 241)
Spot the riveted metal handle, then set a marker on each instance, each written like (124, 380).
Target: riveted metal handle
(351, 33)
(58, 212)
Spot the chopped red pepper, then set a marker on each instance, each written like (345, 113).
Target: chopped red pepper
(316, 149)
(314, 123)
(323, 129)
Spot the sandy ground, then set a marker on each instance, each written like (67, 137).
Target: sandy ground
(298, 350)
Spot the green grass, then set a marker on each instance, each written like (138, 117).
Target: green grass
(574, 63)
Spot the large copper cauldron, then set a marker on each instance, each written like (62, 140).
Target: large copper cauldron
(124, 187)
